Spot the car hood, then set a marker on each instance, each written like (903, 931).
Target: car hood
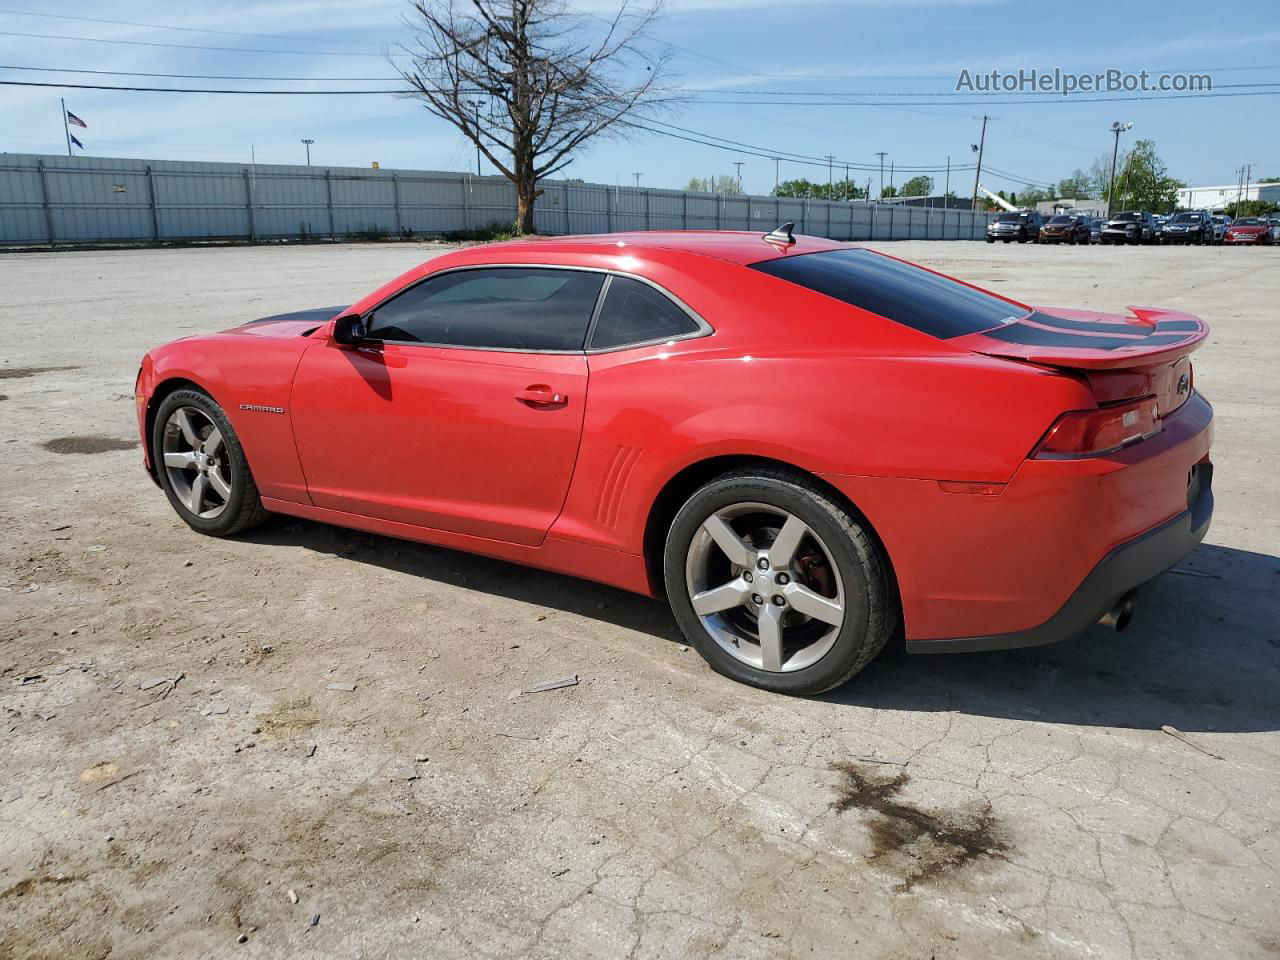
(1248, 229)
(293, 324)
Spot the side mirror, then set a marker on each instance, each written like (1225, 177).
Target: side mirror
(349, 329)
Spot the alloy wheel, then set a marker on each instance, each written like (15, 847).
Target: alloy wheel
(196, 462)
(765, 587)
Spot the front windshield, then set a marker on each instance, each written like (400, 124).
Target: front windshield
(1128, 216)
(1011, 217)
(1060, 220)
(1249, 222)
(1185, 218)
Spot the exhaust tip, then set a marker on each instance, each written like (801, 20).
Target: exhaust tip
(1121, 614)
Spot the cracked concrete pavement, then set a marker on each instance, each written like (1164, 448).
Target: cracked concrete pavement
(1008, 804)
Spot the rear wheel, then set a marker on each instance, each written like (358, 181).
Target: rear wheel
(776, 584)
(202, 467)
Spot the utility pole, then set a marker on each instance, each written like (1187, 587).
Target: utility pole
(845, 191)
(1248, 175)
(977, 173)
(738, 164)
(1117, 128)
(637, 176)
(308, 145)
(777, 175)
(947, 189)
(831, 182)
(881, 154)
(891, 187)
(475, 105)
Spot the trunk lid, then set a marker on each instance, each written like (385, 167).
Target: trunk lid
(1146, 354)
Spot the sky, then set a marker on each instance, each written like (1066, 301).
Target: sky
(807, 78)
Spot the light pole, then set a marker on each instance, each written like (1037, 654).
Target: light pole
(977, 173)
(881, 154)
(637, 176)
(308, 143)
(1117, 128)
(738, 164)
(777, 176)
(831, 183)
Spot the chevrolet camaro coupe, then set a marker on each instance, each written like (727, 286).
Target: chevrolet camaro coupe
(806, 447)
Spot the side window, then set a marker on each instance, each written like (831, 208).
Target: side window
(513, 308)
(635, 312)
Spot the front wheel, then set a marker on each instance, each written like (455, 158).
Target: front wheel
(776, 583)
(202, 467)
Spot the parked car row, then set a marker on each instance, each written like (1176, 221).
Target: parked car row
(1133, 227)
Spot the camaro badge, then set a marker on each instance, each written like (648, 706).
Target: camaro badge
(259, 408)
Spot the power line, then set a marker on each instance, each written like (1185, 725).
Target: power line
(192, 76)
(787, 155)
(999, 101)
(190, 46)
(1002, 94)
(161, 26)
(268, 93)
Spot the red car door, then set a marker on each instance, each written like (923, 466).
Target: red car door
(460, 411)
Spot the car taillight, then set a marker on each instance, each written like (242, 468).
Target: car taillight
(1092, 433)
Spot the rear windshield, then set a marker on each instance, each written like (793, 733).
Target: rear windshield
(909, 295)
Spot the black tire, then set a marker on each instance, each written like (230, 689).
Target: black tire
(871, 606)
(244, 506)
(991, 239)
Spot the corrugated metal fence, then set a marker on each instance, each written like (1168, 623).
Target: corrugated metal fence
(81, 200)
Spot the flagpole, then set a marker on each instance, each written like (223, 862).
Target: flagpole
(65, 129)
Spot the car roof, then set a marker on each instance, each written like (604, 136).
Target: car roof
(740, 247)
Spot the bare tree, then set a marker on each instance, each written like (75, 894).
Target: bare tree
(552, 79)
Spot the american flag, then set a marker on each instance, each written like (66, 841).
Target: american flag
(75, 121)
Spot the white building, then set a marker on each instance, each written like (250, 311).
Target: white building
(1216, 198)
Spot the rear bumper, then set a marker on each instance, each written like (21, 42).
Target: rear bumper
(1125, 568)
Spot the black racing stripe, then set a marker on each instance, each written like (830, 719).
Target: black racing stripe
(1177, 326)
(1036, 337)
(1084, 326)
(316, 314)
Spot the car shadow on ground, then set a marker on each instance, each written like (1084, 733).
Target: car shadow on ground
(1202, 653)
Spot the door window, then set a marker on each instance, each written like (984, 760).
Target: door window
(507, 308)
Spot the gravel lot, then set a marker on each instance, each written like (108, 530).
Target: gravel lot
(1023, 804)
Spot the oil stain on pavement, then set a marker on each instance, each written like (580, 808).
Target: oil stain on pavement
(87, 444)
(931, 845)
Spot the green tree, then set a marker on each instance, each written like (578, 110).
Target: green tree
(720, 183)
(1249, 208)
(1078, 186)
(840, 190)
(1144, 183)
(918, 186)
(889, 191)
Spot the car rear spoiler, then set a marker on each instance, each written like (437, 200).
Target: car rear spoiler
(1078, 339)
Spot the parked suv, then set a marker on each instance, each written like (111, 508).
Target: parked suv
(1065, 228)
(1021, 226)
(1190, 226)
(1220, 224)
(1129, 226)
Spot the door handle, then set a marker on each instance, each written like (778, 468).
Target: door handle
(540, 395)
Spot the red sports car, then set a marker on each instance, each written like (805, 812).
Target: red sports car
(1253, 230)
(804, 446)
